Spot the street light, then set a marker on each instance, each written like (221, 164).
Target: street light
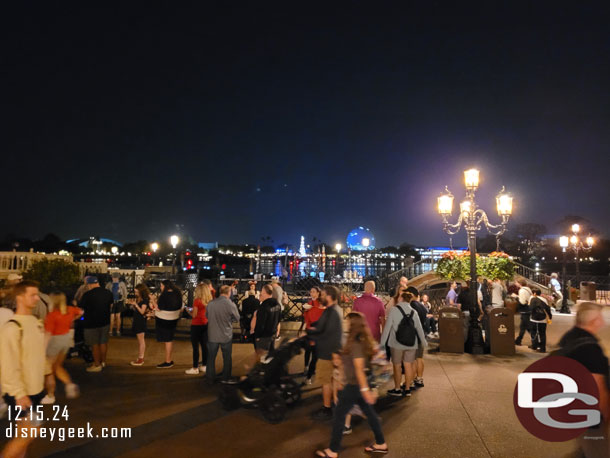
(114, 250)
(577, 246)
(564, 242)
(338, 248)
(365, 243)
(472, 218)
(154, 246)
(174, 240)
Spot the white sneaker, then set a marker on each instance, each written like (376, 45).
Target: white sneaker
(103, 364)
(202, 369)
(72, 391)
(192, 371)
(48, 400)
(309, 381)
(94, 368)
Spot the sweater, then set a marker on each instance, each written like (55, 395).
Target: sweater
(22, 356)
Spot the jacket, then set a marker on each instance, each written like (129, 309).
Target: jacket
(328, 332)
(388, 336)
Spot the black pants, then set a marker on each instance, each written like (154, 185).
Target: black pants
(525, 325)
(349, 396)
(311, 359)
(539, 335)
(199, 338)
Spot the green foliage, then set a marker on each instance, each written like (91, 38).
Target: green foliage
(454, 266)
(54, 274)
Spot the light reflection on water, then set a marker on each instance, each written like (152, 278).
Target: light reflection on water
(304, 267)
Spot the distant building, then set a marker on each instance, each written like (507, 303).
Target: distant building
(208, 245)
(357, 235)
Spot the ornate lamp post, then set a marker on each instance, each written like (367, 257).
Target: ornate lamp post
(365, 243)
(472, 218)
(577, 245)
(174, 240)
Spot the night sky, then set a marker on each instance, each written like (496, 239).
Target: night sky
(253, 122)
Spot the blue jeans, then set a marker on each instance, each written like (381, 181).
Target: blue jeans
(227, 349)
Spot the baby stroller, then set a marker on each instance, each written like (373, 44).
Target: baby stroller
(80, 348)
(268, 386)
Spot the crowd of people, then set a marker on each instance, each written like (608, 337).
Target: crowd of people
(37, 331)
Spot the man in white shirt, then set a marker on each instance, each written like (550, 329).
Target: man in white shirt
(556, 289)
(525, 295)
(497, 293)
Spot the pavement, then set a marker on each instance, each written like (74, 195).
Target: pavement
(464, 410)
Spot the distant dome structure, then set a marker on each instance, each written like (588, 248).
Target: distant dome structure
(357, 235)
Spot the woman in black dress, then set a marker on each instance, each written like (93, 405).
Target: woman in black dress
(167, 313)
(141, 309)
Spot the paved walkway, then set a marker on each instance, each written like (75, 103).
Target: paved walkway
(465, 410)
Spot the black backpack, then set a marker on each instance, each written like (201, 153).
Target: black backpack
(406, 334)
(538, 311)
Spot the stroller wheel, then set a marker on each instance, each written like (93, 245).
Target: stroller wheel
(273, 407)
(291, 392)
(229, 398)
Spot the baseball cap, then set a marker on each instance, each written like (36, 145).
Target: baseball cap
(91, 280)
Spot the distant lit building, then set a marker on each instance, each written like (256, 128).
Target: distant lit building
(357, 235)
(436, 252)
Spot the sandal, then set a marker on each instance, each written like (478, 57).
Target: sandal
(323, 454)
(373, 449)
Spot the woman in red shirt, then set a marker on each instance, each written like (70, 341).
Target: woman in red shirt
(199, 329)
(59, 340)
(313, 312)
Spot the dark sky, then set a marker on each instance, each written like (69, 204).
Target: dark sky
(251, 122)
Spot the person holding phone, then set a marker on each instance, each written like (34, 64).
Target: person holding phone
(141, 306)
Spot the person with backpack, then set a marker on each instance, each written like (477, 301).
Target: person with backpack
(118, 289)
(422, 312)
(403, 333)
(22, 364)
(524, 296)
(540, 315)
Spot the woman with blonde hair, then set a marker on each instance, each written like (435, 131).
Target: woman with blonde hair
(141, 305)
(355, 357)
(199, 329)
(59, 340)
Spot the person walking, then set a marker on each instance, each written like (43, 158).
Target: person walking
(356, 356)
(418, 365)
(96, 304)
(402, 354)
(312, 314)
(199, 329)
(141, 312)
(22, 364)
(372, 308)
(59, 340)
(221, 314)
(167, 314)
(327, 334)
(118, 289)
(581, 343)
(265, 325)
(524, 295)
(540, 316)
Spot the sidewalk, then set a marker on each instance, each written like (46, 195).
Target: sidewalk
(465, 410)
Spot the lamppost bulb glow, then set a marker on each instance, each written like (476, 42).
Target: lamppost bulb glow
(574, 240)
(576, 228)
(590, 241)
(154, 246)
(564, 241)
(366, 242)
(338, 247)
(471, 179)
(114, 250)
(465, 207)
(174, 240)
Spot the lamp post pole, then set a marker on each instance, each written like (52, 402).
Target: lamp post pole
(473, 218)
(577, 246)
(564, 302)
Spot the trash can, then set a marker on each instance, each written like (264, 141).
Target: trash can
(451, 330)
(588, 291)
(502, 331)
